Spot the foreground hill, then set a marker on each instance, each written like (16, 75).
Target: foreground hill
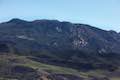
(56, 50)
(15, 67)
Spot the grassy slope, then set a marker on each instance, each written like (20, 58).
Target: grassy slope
(61, 70)
(57, 69)
(22, 60)
(51, 68)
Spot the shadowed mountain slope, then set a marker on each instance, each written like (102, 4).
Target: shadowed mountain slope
(54, 50)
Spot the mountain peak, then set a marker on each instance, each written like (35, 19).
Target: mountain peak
(16, 20)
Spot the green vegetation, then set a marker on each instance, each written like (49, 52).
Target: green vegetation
(51, 68)
(37, 66)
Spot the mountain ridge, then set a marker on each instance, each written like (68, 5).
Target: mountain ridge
(78, 35)
(50, 49)
(37, 20)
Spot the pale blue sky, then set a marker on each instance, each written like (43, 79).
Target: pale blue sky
(104, 14)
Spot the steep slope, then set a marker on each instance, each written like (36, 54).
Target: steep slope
(52, 40)
(56, 49)
(60, 35)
